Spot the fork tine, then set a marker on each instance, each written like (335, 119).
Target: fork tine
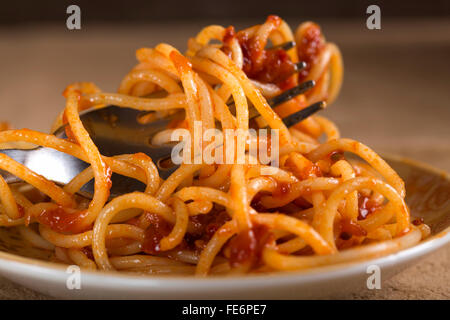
(284, 46)
(291, 93)
(300, 65)
(273, 102)
(295, 118)
(281, 98)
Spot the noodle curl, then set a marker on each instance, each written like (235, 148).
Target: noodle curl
(316, 208)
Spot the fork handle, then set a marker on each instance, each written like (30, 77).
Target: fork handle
(49, 163)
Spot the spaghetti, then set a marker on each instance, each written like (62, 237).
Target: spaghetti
(318, 208)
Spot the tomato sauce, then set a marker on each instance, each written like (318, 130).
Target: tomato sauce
(349, 227)
(88, 252)
(266, 66)
(309, 49)
(365, 207)
(302, 204)
(247, 246)
(229, 35)
(275, 67)
(256, 203)
(310, 171)
(205, 226)
(64, 220)
(158, 229)
(21, 210)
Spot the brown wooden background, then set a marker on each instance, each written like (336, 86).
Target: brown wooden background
(144, 11)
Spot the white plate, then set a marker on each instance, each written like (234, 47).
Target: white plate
(428, 196)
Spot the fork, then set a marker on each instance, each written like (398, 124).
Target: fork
(115, 131)
(124, 135)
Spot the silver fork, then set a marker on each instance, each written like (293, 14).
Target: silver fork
(116, 130)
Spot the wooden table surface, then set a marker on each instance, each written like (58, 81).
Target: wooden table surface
(395, 98)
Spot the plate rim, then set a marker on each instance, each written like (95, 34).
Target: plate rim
(54, 272)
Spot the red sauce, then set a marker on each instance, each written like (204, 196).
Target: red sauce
(229, 35)
(21, 210)
(311, 171)
(365, 206)
(266, 66)
(287, 84)
(88, 252)
(350, 227)
(247, 246)
(242, 248)
(256, 203)
(157, 230)
(64, 220)
(275, 67)
(310, 48)
(275, 20)
(302, 203)
(206, 225)
(345, 236)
